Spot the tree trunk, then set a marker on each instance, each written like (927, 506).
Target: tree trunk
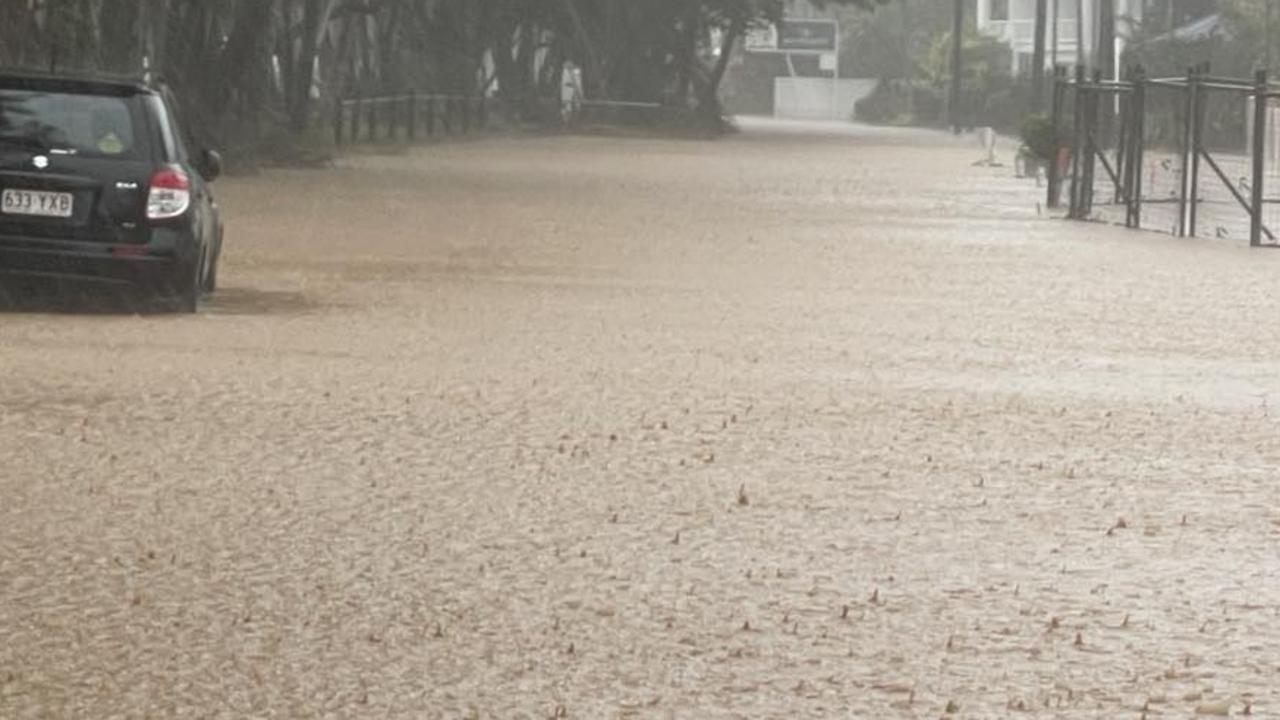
(588, 57)
(503, 53)
(302, 51)
(120, 50)
(691, 23)
(525, 54)
(709, 103)
(244, 62)
(299, 92)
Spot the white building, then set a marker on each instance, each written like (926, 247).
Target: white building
(1013, 22)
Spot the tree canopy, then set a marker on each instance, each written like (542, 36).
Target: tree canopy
(242, 62)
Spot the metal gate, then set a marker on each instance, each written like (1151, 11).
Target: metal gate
(1190, 156)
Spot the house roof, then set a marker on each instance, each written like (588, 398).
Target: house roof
(1203, 28)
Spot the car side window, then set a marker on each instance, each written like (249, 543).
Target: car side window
(181, 138)
(173, 152)
(179, 146)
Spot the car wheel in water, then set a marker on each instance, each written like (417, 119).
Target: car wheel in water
(187, 286)
(211, 277)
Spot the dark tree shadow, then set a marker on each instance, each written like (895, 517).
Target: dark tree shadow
(255, 301)
(45, 296)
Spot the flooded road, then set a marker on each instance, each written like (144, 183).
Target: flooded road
(794, 424)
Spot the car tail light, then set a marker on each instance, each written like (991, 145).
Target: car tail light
(170, 194)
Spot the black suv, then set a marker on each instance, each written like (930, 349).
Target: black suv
(97, 183)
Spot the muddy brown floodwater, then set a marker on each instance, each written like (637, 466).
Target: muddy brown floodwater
(792, 425)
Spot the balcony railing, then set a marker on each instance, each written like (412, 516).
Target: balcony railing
(1021, 33)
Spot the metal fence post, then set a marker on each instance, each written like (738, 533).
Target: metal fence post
(373, 119)
(1138, 133)
(1077, 142)
(413, 116)
(1261, 89)
(1188, 140)
(1090, 158)
(1197, 142)
(339, 133)
(1055, 172)
(1122, 99)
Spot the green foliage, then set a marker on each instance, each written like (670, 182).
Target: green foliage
(893, 41)
(909, 44)
(986, 61)
(1039, 137)
(1245, 39)
(888, 104)
(902, 102)
(1239, 45)
(249, 66)
(245, 65)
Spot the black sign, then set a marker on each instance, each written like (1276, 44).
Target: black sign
(807, 35)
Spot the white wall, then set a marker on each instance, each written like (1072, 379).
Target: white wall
(810, 98)
(1019, 30)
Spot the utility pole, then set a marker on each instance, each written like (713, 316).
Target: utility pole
(1054, 44)
(1266, 39)
(1037, 57)
(1106, 50)
(1082, 58)
(957, 64)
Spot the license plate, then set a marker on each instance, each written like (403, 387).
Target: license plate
(36, 202)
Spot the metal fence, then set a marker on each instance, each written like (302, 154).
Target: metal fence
(405, 118)
(413, 116)
(1192, 156)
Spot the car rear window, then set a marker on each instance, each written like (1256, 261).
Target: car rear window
(99, 126)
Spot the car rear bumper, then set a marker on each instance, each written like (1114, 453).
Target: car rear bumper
(87, 261)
